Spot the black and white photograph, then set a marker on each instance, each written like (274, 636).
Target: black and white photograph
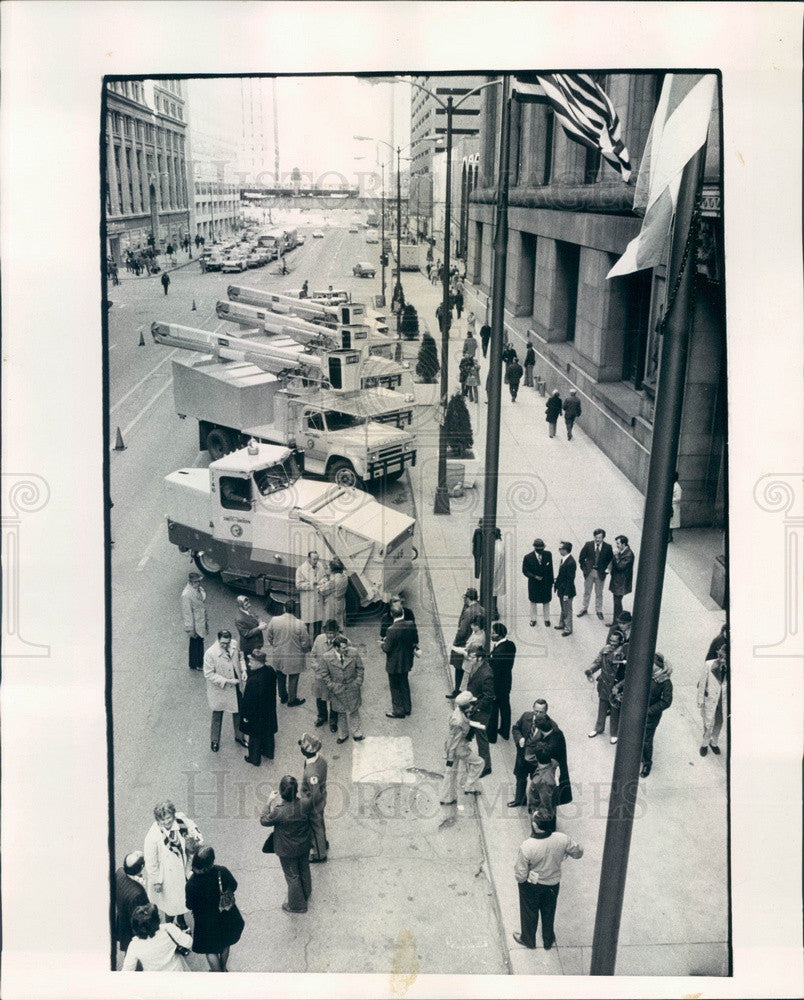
(420, 441)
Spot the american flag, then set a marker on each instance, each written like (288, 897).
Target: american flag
(587, 116)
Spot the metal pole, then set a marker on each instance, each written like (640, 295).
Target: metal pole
(398, 289)
(495, 364)
(441, 505)
(382, 244)
(650, 580)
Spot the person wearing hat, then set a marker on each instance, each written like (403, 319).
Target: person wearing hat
(537, 567)
(323, 702)
(538, 874)
(459, 750)
(342, 672)
(314, 785)
(609, 664)
(194, 616)
(223, 674)
(258, 708)
(249, 627)
(572, 410)
(472, 609)
(623, 625)
(552, 411)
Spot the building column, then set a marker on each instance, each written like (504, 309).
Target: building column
(550, 300)
(135, 170)
(601, 316)
(111, 175)
(124, 178)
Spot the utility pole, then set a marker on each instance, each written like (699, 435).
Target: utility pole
(276, 138)
(441, 503)
(382, 237)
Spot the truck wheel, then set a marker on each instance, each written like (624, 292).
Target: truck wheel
(343, 473)
(219, 443)
(207, 564)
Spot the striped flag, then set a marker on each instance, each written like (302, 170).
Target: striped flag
(678, 131)
(587, 116)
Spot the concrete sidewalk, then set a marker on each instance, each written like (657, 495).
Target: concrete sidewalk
(675, 915)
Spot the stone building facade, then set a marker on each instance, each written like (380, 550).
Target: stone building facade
(218, 212)
(146, 189)
(570, 219)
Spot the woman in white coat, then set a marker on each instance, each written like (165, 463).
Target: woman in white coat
(169, 846)
(153, 945)
(712, 688)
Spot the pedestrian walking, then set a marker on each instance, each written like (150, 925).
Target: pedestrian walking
(552, 411)
(622, 574)
(343, 671)
(477, 548)
(194, 617)
(289, 643)
(530, 729)
(471, 326)
(595, 558)
(400, 646)
(155, 946)
(565, 587)
(459, 301)
(459, 751)
(470, 344)
(224, 675)
(170, 843)
(480, 684)
(530, 361)
(499, 580)
(323, 698)
(501, 661)
(485, 337)
(540, 793)
(314, 786)
(712, 686)
(309, 576)
(507, 356)
(472, 379)
(249, 627)
(332, 590)
(472, 608)
(442, 322)
(217, 921)
(304, 289)
(513, 376)
(538, 875)
(465, 366)
(290, 815)
(660, 699)
(537, 567)
(258, 708)
(572, 410)
(609, 665)
(165, 279)
(129, 893)
(675, 508)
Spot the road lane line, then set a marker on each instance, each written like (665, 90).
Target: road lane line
(143, 411)
(143, 380)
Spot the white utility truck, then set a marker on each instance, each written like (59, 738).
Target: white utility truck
(251, 520)
(242, 389)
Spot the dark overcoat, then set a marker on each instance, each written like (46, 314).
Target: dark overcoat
(540, 577)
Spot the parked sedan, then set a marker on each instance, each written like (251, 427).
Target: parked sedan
(364, 270)
(234, 263)
(318, 235)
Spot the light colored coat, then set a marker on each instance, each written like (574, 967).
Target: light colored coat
(321, 645)
(499, 567)
(218, 669)
(311, 604)
(333, 590)
(343, 679)
(710, 691)
(288, 642)
(163, 865)
(194, 610)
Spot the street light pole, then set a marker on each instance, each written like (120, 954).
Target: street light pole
(441, 502)
(398, 289)
(382, 238)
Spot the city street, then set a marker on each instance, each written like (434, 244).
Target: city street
(396, 855)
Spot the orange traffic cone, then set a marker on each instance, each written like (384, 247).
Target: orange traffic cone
(193, 309)
(142, 339)
(118, 444)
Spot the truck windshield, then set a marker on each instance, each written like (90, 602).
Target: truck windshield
(276, 477)
(337, 421)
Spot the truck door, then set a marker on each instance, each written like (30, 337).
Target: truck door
(233, 515)
(314, 441)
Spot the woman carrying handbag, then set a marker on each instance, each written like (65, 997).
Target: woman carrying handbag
(217, 922)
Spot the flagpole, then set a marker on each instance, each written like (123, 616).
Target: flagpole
(650, 577)
(495, 364)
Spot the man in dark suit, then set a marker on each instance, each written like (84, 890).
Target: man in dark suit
(249, 627)
(481, 686)
(388, 615)
(501, 661)
(565, 586)
(290, 814)
(622, 574)
(472, 608)
(594, 559)
(129, 893)
(399, 645)
(532, 728)
(537, 566)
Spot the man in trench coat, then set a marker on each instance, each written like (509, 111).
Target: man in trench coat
(289, 643)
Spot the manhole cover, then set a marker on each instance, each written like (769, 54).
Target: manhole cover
(405, 804)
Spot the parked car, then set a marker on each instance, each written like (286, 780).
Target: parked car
(318, 235)
(257, 258)
(235, 262)
(215, 261)
(353, 229)
(364, 270)
(372, 237)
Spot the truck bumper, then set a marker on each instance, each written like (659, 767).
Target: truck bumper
(389, 464)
